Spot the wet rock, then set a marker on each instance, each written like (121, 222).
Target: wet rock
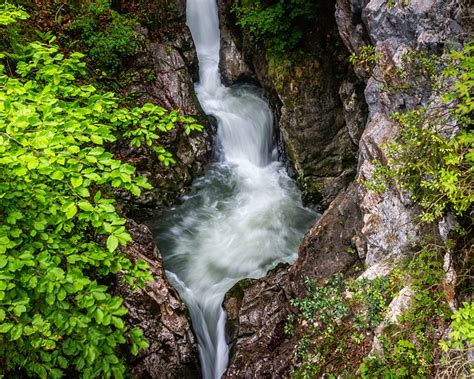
(163, 73)
(232, 64)
(305, 89)
(327, 248)
(257, 309)
(161, 314)
(355, 108)
(313, 129)
(423, 23)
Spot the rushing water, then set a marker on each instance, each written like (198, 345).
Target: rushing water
(243, 216)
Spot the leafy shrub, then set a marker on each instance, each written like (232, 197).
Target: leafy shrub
(278, 23)
(463, 327)
(56, 312)
(409, 346)
(365, 58)
(433, 157)
(148, 122)
(462, 334)
(336, 317)
(9, 14)
(456, 361)
(108, 36)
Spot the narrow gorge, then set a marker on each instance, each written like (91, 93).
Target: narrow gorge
(236, 189)
(244, 215)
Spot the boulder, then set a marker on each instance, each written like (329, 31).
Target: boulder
(160, 313)
(257, 310)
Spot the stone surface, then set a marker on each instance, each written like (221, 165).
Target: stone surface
(382, 227)
(257, 309)
(354, 107)
(232, 63)
(160, 313)
(390, 220)
(397, 306)
(350, 24)
(163, 73)
(308, 94)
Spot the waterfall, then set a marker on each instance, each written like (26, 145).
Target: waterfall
(243, 216)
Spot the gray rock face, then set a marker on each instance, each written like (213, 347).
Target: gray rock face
(160, 313)
(355, 109)
(381, 226)
(390, 224)
(394, 310)
(232, 63)
(349, 21)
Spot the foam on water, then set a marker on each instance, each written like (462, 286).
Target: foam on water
(243, 216)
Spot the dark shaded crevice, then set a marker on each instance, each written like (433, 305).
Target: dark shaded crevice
(313, 121)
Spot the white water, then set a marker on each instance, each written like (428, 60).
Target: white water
(244, 216)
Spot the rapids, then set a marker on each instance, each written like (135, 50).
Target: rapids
(243, 216)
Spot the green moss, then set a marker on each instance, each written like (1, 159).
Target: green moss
(238, 290)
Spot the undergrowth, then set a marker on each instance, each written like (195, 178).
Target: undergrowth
(278, 24)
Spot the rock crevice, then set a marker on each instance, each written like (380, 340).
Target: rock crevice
(311, 92)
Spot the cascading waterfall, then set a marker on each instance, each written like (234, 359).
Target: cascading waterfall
(243, 216)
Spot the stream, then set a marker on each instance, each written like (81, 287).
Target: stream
(243, 216)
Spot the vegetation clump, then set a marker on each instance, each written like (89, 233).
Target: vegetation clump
(433, 156)
(334, 319)
(60, 228)
(279, 24)
(410, 346)
(109, 37)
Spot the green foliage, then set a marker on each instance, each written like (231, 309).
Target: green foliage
(436, 169)
(60, 230)
(278, 23)
(337, 317)
(107, 35)
(148, 122)
(9, 14)
(336, 321)
(456, 361)
(392, 3)
(461, 72)
(462, 335)
(365, 58)
(324, 304)
(409, 346)
(433, 157)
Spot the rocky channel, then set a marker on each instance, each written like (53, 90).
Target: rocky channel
(332, 123)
